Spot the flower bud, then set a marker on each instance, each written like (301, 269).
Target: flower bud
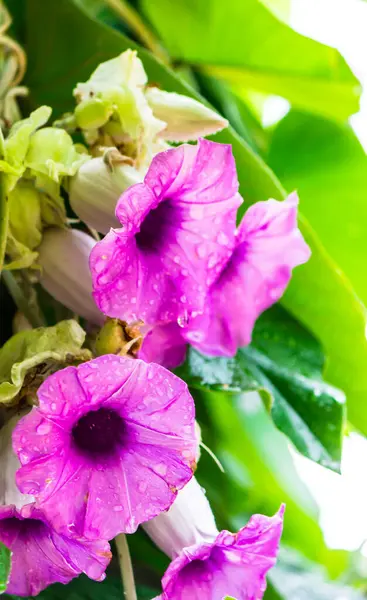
(95, 189)
(119, 337)
(186, 118)
(9, 492)
(25, 214)
(64, 258)
(189, 521)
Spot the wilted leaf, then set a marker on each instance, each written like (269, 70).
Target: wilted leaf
(34, 353)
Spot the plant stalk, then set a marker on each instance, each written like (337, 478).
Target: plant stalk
(126, 567)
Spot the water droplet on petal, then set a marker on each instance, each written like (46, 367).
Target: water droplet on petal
(43, 428)
(222, 239)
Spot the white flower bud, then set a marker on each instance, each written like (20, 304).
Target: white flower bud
(64, 258)
(95, 189)
(186, 118)
(189, 521)
(9, 493)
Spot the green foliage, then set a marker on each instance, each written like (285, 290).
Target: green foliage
(284, 364)
(295, 578)
(31, 355)
(330, 172)
(213, 37)
(5, 564)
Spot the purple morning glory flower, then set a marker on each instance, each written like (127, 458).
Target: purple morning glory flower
(108, 447)
(208, 564)
(268, 246)
(233, 564)
(177, 232)
(40, 556)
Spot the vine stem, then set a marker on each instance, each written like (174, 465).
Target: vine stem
(137, 25)
(126, 567)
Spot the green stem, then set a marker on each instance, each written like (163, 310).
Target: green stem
(23, 304)
(137, 25)
(126, 567)
(4, 219)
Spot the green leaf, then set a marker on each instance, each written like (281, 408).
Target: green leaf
(246, 45)
(294, 577)
(284, 365)
(5, 563)
(32, 354)
(329, 169)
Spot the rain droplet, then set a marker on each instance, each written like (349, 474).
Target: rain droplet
(222, 239)
(43, 428)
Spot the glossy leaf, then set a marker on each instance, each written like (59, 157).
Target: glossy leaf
(5, 563)
(284, 364)
(246, 45)
(328, 166)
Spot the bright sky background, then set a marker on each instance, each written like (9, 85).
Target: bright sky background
(342, 498)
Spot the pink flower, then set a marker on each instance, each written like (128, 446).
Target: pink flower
(268, 246)
(109, 446)
(40, 556)
(232, 565)
(177, 232)
(209, 565)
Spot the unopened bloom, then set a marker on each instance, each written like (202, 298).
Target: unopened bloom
(186, 119)
(96, 188)
(177, 232)
(64, 257)
(209, 564)
(109, 446)
(40, 556)
(268, 246)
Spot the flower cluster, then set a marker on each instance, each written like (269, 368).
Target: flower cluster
(179, 263)
(111, 443)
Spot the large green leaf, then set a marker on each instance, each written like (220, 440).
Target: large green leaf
(284, 364)
(319, 294)
(327, 164)
(5, 563)
(245, 44)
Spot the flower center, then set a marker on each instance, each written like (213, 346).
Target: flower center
(22, 527)
(99, 432)
(153, 229)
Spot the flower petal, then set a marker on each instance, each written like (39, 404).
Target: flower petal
(234, 564)
(164, 345)
(177, 233)
(148, 416)
(40, 556)
(269, 246)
